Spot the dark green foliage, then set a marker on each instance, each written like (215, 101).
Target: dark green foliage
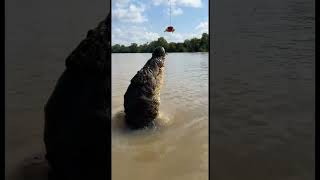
(189, 45)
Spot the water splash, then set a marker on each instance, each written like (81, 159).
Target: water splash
(119, 124)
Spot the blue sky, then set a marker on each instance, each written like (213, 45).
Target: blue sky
(141, 21)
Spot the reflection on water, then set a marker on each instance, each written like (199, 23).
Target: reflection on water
(178, 147)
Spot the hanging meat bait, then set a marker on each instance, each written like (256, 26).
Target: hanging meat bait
(170, 28)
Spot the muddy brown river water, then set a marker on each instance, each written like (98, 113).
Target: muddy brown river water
(178, 148)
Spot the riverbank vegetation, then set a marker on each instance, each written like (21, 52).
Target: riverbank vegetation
(189, 45)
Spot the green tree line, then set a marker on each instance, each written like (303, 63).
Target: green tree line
(189, 45)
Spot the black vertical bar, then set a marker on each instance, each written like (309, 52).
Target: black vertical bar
(109, 160)
(2, 91)
(209, 84)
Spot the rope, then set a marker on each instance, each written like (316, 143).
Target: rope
(170, 12)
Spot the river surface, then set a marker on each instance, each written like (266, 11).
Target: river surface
(39, 35)
(179, 148)
(262, 90)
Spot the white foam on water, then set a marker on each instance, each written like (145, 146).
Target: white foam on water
(118, 121)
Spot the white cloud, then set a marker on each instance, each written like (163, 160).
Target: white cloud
(175, 11)
(129, 13)
(126, 35)
(202, 27)
(133, 34)
(185, 3)
(176, 37)
(181, 37)
(157, 2)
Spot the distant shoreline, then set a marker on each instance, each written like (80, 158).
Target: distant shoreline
(189, 45)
